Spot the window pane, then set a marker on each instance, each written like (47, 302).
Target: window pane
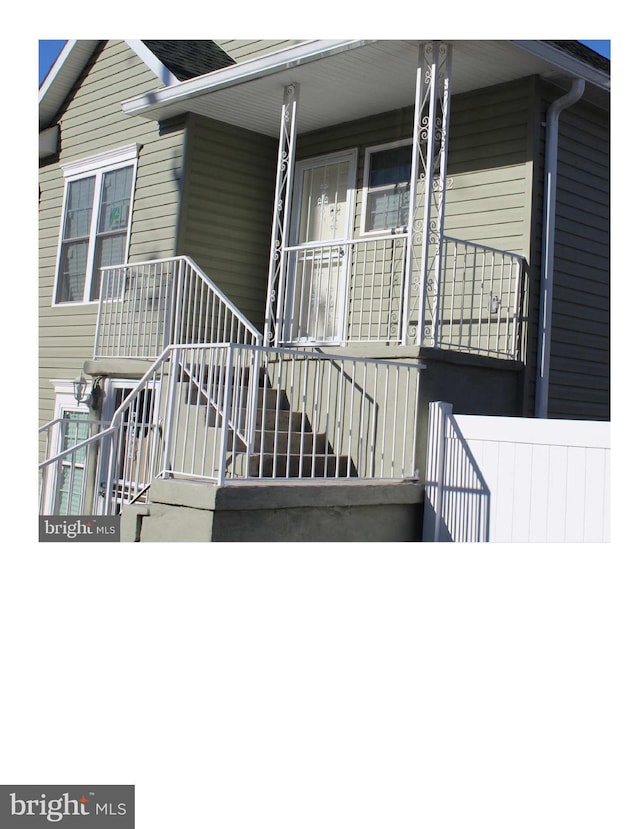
(109, 251)
(388, 188)
(77, 220)
(73, 268)
(104, 231)
(75, 428)
(387, 209)
(390, 166)
(115, 200)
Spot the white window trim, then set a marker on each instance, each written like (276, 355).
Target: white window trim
(96, 165)
(369, 151)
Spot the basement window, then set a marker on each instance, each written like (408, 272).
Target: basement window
(387, 183)
(96, 222)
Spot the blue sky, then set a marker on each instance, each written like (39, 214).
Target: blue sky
(50, 49)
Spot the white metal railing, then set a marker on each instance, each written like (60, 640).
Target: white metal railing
(233, 412)
(478, 302)
(319, 415)
(63, 432)
(351, 289)
(236, 412)
(58, 481)
(145, 306)
(68, 478)
(355, 291)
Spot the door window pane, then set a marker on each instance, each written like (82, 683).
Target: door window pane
(323, 214)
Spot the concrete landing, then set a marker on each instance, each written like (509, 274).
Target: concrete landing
(278, 511)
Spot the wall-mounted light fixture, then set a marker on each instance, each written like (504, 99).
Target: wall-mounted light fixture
(79, 389)
(92, 399)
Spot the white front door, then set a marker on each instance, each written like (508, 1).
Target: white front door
(317, 264)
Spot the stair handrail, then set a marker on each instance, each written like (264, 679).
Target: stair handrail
(98, 438)
(251, 329)
(114, 424)
(176, 314)
(246, 436)
(81, 445)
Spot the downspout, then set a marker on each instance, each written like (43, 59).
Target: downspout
(548, 242)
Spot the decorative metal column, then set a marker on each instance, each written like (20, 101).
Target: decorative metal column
(274, 319)
(427, 196)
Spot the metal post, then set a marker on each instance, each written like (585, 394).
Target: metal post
(98, 333)
(226, 411)
(429, 156)
(168, 435)
(273, 326)
(440, 184)
(177, 308)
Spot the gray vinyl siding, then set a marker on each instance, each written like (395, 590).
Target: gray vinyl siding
(227, 210)
(579, 375)
(92, 122)
(242, 50)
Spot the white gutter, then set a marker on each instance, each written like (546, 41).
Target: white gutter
(548, 242)
(241, 73)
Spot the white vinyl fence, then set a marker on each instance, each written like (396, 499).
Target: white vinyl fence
(516, 479)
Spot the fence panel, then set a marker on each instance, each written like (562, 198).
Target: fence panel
(509, 479)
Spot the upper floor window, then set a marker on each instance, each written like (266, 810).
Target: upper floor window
(387, 177)
(96, 221)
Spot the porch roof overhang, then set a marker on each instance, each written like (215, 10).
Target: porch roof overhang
(343, 80)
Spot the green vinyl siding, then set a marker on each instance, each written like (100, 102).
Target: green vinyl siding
(242, 50)
(490, 170)
(225, 223)
(92, 122)
(489, 165)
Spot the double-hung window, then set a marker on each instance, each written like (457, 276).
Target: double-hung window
(96, 221)
(387, 180)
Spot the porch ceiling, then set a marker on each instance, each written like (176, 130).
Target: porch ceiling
(354, 79)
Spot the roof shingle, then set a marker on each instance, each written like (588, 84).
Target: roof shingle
(188, 58)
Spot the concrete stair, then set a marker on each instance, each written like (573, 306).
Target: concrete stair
(285, 444)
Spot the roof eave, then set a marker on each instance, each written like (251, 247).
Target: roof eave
(55, 86)
(565, 63)
(240, 73)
